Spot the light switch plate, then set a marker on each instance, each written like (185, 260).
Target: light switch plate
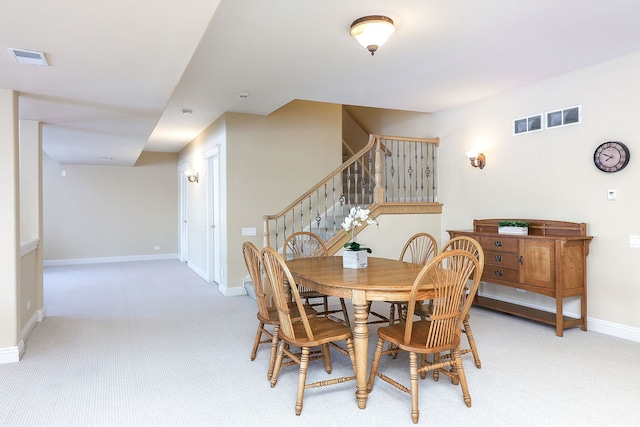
(611, 194)
(634, 241)
(249, 231)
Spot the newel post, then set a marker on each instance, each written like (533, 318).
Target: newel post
(378, 190)
(265, 231)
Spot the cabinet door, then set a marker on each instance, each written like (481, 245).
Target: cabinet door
(537, 262)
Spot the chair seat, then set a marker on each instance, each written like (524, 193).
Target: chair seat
(324, 331)
(419, 333)
(295, 314)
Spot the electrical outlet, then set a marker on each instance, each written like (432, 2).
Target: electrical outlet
(156, 248)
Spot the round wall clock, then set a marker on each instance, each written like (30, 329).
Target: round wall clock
(611, 156)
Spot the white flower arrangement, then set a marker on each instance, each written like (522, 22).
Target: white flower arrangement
(357, 217)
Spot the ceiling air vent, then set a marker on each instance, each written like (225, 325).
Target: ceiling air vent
(22, 56)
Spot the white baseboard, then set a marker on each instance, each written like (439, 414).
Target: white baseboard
(75, 261)
(200, 272)
(231, 291)
(12, 354)
(595, 325)
(28, 328)
(613, 329)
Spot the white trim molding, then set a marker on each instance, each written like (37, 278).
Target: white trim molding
(593, 325)
(11, 354)
(76, 261)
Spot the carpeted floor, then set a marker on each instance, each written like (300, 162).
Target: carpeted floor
(152, 344)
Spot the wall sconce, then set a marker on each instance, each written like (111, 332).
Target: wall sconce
(372, 31)
(192, 176)
(478, 160)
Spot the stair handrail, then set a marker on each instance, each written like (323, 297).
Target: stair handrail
(378, 193)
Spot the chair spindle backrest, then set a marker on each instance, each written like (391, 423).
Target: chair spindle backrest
(419, 249)
(303, 244)
(253, 260)
(469, 244)
(448, 274)
(279, 274)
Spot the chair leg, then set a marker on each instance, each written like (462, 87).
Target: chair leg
(327, 357)
(344, 313)
(352, 353)
(302, 379)
(436, 373)
(325, 304)
(375, 363)
(459, 370)
(274, 349)
(256, 342)
(278, 363)
(413, 375)
(472, 341)
(392, 314)
(423, 363)
(393, 351)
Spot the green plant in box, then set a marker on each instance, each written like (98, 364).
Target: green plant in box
(507, 223)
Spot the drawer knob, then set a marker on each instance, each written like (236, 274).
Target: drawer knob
(497, 243)
(498, 273)
(499, 258)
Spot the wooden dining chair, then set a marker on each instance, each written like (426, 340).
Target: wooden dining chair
(419, 249)
(267, 316)
(305, 332)
(471, 245)
(305, 244)
(448, 275)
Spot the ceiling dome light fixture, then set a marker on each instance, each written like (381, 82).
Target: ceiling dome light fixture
(372, 31)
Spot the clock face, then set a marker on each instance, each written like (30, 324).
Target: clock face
(611, 156)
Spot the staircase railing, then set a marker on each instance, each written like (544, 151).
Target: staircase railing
(390, 173)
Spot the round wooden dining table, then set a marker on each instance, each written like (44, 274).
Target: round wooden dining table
(382, 280)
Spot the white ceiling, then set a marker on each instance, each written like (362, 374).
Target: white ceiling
(122, 71)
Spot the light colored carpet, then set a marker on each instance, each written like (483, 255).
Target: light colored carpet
(151, 344)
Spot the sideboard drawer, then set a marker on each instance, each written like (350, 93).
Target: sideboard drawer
(501, 259)
(492, 272)
(499, 243)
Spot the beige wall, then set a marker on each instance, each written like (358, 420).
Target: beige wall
(268, 161)
(550, 174)
(10, 220)
(28, 293)
(111, 211)
(547, 174)
(275, 158)
(193, 197)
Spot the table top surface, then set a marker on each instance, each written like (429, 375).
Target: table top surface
(380, 276)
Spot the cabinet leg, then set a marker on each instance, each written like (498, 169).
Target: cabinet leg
(559, 316)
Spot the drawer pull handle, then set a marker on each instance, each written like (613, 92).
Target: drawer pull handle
(498, 273)
(521, 260)
(497, 243)
(499, 258)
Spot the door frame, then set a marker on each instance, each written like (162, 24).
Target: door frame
(214, 259)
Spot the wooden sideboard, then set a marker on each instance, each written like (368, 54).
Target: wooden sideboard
(551, 260)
